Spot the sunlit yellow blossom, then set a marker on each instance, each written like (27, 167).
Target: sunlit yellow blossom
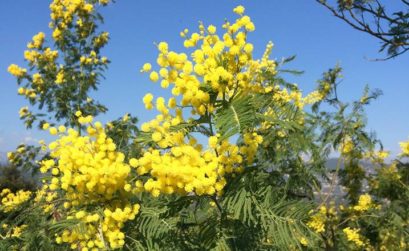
(31, 56)
(85, 119)
(163, 47)
(353, 236)
(156, 136)
(211, 29)
(213, 141)
(53, 131)
(239, 10)
(60, 77)
(364, 203)
(10, 201)
(89, 171)
(61, 128)
(21, 91)
(146, 67)
(383, 154)
(304, 241)
(23, 111)
(57, 34)
(317, 223)
(217, 67)
(319, 218)
(147, 100)
(37, 79)
(88, 8)
(404, 146)
(133, 162)
(125, 118)
(46, 126)
(16, 71)
(347, 146)
(154, 76)
(37, 41)
(15, 231)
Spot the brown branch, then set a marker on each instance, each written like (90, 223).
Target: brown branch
(381, 15)
(390, 57)
(359, 23)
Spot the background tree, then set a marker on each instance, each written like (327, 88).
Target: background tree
(61, 74)
(62, 70)
(12, 178)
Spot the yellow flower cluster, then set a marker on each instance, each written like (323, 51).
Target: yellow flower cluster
(217, 69)
(184, 169)
(29, 93)
(320, 218)
(16, 71)
(37, 41)
(102, 230)
(65, 12)
(101, 40)
(13, 232)
(44, 197)
(89, 171)
(59, 79)
(14, 156)
(303, 241)
(347, 146)
(390, 172)
(92, 58)
(283, 96)
(353, 235)
(317, 221)
(23, 111)
(382, 154)
(223, 63)
(187, 167)
(39, 54)
(37, 79)
(36, 56)
(314, 97)
(377, 156)
(88, 167)
(404, 146)
(10, 201)
(251, 143)
(364, 203)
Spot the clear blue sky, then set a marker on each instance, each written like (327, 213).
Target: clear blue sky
(296, 27)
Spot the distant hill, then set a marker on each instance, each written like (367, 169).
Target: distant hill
(331, 164)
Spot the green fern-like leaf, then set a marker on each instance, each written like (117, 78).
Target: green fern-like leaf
(236, 116)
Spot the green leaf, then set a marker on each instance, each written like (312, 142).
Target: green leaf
(235, 117)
